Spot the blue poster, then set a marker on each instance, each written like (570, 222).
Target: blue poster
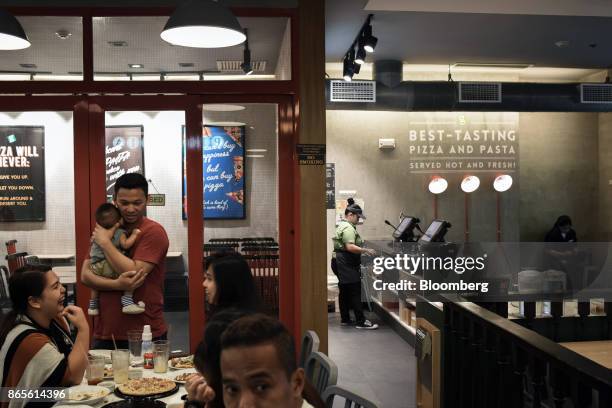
(223, 172)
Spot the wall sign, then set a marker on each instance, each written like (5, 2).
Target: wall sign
(156, 200)
(124, 153)
(330, 185)
(311, 154)
(460, 142)
(223, 171)
(22, 173)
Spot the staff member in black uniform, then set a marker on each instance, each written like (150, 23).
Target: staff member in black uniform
(348, 249)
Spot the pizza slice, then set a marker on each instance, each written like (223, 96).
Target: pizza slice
(236, 196)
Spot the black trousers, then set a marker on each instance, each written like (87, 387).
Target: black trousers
(350, 298)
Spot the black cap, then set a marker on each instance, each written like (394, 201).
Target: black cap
(356, 209)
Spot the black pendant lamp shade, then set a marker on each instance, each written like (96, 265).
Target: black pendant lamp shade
(203, 24)
(12, 36)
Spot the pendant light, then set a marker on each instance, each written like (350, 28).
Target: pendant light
(203, 24)
(12, 36)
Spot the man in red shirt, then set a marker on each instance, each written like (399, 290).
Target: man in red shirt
(145, 266)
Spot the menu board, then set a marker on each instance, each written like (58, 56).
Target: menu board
(124, 153)
(22, 173)
(223, 172)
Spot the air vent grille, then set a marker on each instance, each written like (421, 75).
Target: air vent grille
(480, 92)
(595, 93)
(234, 66)
(354, 91)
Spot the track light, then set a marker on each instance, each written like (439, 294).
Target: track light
(361, 53)
(348, 69)
(247, 66)
(369, 41)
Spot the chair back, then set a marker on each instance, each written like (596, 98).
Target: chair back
(310, 343)
(321, 371)
(351, 399)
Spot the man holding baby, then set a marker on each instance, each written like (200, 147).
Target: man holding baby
(140, 271)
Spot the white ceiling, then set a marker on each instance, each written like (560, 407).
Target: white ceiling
(144, 46)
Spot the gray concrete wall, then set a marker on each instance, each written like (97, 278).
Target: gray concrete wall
(558, 173)
(605, 176)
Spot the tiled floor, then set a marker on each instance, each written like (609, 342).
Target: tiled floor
(377, 364)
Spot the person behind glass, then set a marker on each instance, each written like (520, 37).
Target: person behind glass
(142, 271)
(36, 348)
(228, 282)
(561, 251)
(347, 253)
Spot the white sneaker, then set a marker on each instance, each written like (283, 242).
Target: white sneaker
(93, 312)
(367, 325)
(133, 309)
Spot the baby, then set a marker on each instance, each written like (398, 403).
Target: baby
(107, 215)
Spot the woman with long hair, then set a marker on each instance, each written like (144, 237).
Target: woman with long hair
(228, 282)
(36, 349)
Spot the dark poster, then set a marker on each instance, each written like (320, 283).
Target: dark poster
(330, 185)
(223, 172)
(22, 173)
(124, 153)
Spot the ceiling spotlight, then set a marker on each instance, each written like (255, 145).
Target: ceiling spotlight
(356, 68)
(369, 41)
(63, 34)
(361, 53)
(438, 185)
(12, 36)
(136, 65)
(470, 184)
(247, 66)
(203, 24)
(348, 68)
(502, 183)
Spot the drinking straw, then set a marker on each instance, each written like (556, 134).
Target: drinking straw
(114, 342)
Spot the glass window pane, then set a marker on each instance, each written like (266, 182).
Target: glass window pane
(241, 189)
(56, 53)
(37, 191)
(131, 48)
(153, 141)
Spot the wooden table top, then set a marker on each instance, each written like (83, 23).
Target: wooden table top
(598, 351)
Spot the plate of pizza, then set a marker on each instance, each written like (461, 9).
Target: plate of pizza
(182, 377)
(151, 387)
(181, 363)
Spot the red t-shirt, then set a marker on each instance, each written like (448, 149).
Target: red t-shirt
(152, 247)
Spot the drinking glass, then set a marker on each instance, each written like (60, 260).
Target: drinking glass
(121, 365)
(135, 346)
(161, 354)
(95, 369)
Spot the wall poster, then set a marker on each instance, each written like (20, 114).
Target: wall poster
(22, 173)
(124, 153)
(223, 172)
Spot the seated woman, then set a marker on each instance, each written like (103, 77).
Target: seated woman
(228, 282)
(35, 343)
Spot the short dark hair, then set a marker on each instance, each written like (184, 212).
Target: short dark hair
(104, 209)
(563, 220)
(207, 358)
(234, 280)
(131, 181)
(258, 329)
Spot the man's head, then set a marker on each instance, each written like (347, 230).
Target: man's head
(131, 192)
(258, 365)
(107, 215)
